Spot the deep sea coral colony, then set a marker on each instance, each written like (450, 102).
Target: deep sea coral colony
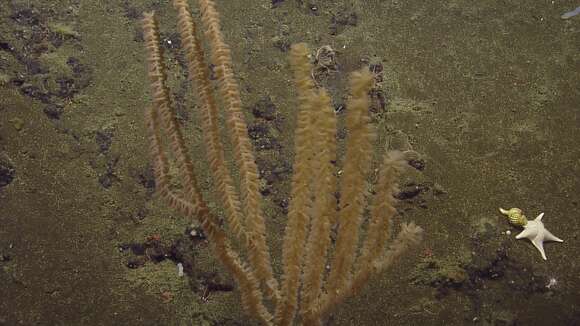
(317, 274)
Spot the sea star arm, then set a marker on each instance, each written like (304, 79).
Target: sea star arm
(526, 233)
(540, 246)
(548, 236)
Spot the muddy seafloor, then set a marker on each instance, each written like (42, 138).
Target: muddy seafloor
(486, 92)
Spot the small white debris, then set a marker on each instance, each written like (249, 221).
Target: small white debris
(552, 282)
(508, 232)
(180, 269)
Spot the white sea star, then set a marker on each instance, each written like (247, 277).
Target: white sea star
(537, 234)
